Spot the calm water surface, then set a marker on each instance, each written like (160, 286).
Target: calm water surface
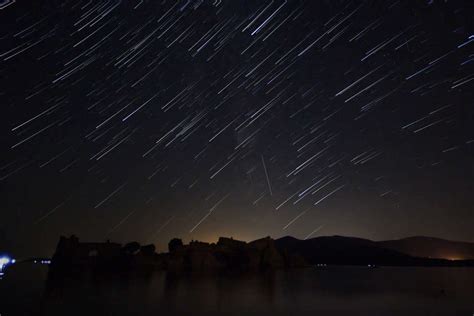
(312, 291)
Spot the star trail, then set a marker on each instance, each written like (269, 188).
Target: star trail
(146, 120)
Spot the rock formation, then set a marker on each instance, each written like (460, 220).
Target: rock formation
(226, 255)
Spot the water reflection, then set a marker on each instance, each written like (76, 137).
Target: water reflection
(328, 291)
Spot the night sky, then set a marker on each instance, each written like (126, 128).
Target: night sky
(147, 120)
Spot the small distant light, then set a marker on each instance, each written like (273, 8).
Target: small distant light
(13, 260)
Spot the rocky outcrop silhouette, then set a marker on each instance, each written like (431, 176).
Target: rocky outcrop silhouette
(228, 254)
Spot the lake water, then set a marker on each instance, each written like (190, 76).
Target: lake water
(310, 291)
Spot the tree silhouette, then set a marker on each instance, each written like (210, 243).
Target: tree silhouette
(175, 244)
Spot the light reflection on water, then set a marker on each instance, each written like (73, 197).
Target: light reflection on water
(323, 291)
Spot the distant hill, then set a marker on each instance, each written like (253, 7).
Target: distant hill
(353, 251)
(430, 247)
